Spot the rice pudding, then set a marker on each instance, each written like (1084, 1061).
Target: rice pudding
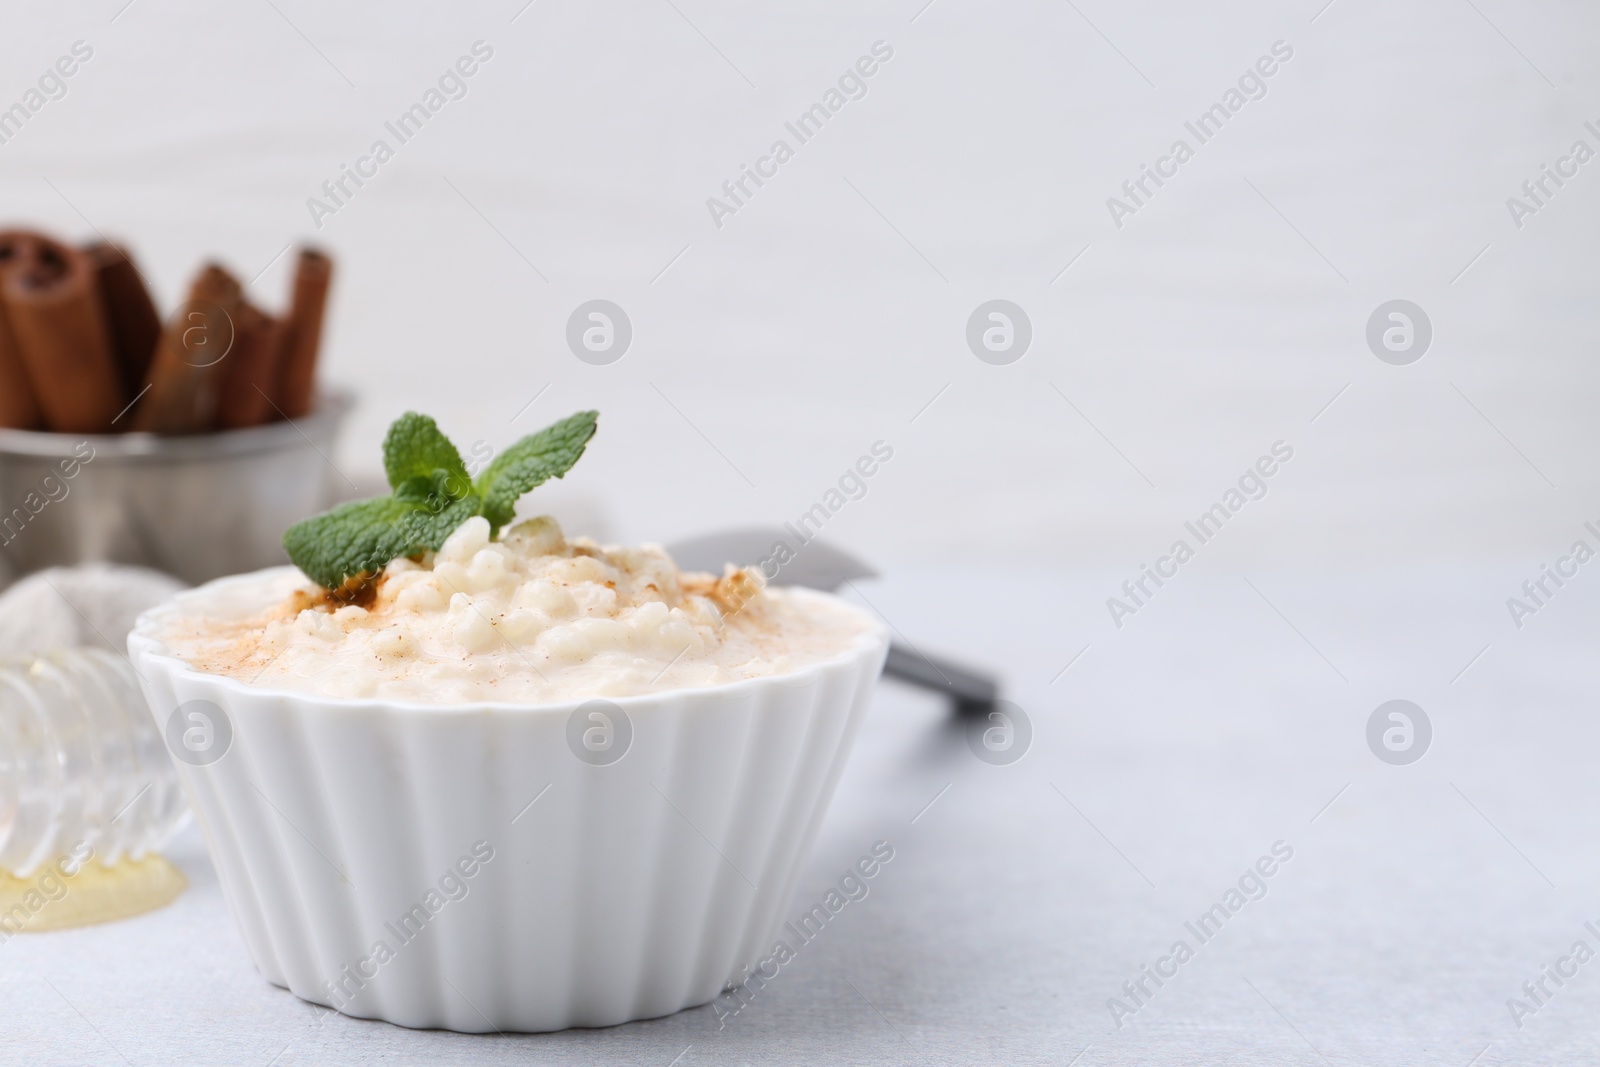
(529, 618)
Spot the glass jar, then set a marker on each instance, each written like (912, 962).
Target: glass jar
(81, 763)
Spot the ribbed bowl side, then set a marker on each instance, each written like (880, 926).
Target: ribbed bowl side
(841, 708)
(622, 892)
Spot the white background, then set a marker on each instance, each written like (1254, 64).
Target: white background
(830, 311)
(806, 327)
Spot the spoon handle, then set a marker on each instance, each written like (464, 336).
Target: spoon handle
(972, 692)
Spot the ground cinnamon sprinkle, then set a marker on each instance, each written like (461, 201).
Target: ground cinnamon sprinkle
(530, 617)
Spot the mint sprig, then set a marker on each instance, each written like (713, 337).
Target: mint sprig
(550, 453)
(343, 549)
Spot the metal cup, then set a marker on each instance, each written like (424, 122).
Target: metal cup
(198, 507)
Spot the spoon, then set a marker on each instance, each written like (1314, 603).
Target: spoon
(817, 565)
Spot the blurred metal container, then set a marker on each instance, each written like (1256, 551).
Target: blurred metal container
(197, 507)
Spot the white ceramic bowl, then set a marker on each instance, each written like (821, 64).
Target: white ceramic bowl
(624, 891)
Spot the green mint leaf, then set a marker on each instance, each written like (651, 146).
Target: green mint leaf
(360, 538)
(353, 539)
(433, 494)
(550, 453)
(436, 490)
(421, 462)
(430, 525)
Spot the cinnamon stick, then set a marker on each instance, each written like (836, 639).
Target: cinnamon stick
(297, 383)
(191, 358)
(54, 311)
(130, 313)
(19, 408)
(252, 371)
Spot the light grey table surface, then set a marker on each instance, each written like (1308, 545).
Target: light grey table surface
(1227, 716)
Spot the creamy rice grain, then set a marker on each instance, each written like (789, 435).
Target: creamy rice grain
(530, 618)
